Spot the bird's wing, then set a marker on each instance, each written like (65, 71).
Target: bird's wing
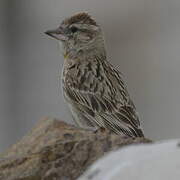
(109, 105)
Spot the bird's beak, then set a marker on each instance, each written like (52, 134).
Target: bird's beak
(57, 34)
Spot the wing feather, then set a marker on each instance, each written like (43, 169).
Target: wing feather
(108, 104)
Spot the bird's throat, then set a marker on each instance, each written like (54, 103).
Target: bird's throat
(84, 53)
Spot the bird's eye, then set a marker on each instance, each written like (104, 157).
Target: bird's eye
(74, 29)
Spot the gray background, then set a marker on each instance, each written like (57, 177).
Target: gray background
(143, 41)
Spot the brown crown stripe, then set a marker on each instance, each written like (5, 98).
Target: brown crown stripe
(80, 17)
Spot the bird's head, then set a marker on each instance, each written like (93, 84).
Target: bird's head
(78, 32)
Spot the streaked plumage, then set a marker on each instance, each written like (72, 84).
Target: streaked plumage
(92, 87)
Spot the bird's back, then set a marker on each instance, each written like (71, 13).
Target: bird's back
(98, 97)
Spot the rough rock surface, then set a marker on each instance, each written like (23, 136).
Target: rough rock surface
(56, 150)
(157, 161)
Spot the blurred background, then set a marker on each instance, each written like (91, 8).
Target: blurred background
(143, 41)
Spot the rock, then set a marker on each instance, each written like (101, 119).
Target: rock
(158, 161)
(56, 150)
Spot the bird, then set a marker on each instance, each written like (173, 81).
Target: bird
(93, 88)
